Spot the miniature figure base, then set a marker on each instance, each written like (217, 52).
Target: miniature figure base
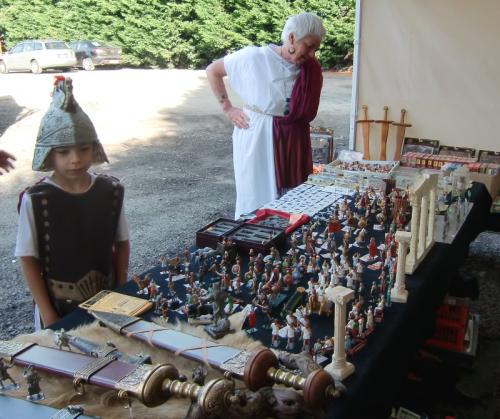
(8, 387)
(399, 297)
(340, 373)
(35, 397)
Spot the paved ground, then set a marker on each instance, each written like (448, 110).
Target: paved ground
(167, 141)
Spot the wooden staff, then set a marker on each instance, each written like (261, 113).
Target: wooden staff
(384, 132)
(400, 134)
(365, 122)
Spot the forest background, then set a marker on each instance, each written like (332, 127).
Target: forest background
(185, 34)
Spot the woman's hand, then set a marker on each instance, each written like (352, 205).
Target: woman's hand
(237, 117)
(6, 160)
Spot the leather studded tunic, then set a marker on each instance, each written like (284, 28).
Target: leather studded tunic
(76, 235)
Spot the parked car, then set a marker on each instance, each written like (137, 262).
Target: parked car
(37, 55)
(90, 54)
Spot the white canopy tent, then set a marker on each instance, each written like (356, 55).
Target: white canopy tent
(438, 59)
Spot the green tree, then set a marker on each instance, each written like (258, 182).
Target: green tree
(176, 33)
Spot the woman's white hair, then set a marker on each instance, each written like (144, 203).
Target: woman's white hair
(302, 25)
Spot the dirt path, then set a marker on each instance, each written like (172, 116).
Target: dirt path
(167, 141)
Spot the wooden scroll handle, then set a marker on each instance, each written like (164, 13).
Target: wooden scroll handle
(262, 370)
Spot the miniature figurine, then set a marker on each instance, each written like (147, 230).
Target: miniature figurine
(252, 320)
(158, 302)
(4, 375)
(152, 290)
(361, 326)
(236, 268)
(372, 249)
(370, 324)
(163, 265)
(221, 325)
(61, 339)
(33, 382)
(290, 334)
(317, 348)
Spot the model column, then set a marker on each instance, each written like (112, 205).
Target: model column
(432, 211)
(339, 368)
(399, 294)
(424, 221)
(415, 218)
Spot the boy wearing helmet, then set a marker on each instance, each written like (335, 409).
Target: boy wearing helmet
(72, 234)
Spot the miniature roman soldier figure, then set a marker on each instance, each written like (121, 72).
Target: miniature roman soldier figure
(236, 269)
(252, 320)
(275, 329)
(237, 284)
(4, 375)
(153, 290)
(311, 245)
(290, 334)
(306, 337)
(334, 224)
(33, 382)
(372, 249)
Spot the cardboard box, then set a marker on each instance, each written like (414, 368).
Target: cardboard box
(492, 182)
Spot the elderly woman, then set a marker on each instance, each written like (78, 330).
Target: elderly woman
(280, 86)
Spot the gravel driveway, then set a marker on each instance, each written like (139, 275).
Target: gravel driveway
(167, 141)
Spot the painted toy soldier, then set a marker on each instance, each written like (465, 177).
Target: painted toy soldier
(318, 346)
(275, 329)
(290, 334)
(372, 249)
(153, 290)
(158, 301)
(306, 337)
(4, 375)
(252, 320)
(171, 284)
(62, 339)
(165, 309)
(33, 382)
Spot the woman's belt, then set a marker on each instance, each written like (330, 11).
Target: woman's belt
(257, 110)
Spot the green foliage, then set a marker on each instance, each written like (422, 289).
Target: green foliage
(176, 33)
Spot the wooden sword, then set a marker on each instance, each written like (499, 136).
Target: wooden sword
(365, 122)
(384, 132)
(400, 134)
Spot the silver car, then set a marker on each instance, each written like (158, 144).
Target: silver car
(37, 55)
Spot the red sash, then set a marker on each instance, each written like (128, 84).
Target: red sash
(292, 140)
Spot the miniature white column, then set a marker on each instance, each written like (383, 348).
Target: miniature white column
(415, 218)
(399, 294)
(432, 215)
(424, 221)
(339, 368)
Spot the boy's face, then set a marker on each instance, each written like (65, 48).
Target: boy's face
(72, 162)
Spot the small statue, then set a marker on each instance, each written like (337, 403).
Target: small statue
(158, 302)
(153, 290)
(372, 249)
(275, 329)
(33, 382)
(4, 375)
(221, 325)
(290, 334)
(61, 339)
(252, 320)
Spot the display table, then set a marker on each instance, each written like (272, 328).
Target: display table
(382, 365)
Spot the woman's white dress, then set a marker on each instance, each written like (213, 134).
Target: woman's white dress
(263, 80)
